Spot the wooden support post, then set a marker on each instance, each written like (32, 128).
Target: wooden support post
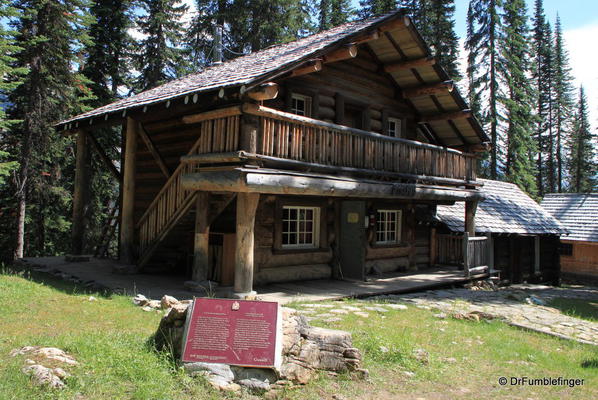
(80, 194)
(246, 208)
(412, 224)
(127, 231)
(466, 253)
(470, 211)
(537, 255)
(249, 133)
(490, 260)
(433, 247)
(201, 261)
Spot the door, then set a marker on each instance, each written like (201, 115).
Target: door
(352, 240)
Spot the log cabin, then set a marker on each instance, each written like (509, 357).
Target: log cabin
(305, 160)
(578, 213)
(523, 238)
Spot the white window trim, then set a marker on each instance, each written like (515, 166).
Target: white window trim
(399, 220)
(398, 126)
(315, 229)
(307, 101)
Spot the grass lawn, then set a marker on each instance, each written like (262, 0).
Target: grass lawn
(109, 337)
(578, 308)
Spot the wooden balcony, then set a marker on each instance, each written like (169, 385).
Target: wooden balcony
(470, 252)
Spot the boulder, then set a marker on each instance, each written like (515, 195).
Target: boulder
(43, 376)
(140, 300)
(167, 302)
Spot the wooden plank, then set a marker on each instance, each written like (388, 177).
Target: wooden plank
(409, 64)
(244, 268)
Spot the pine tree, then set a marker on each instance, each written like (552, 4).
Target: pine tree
(563, 100)
(549, 150)
(583, 164)
(199, 41)
(484, 61)
(107, 58)
(161, 58)
(519, 163)
(542, 74)
(370, 8)
(50, 34)
(435, 21)
(340, 12)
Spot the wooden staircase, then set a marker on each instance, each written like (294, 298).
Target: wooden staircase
(218, 132)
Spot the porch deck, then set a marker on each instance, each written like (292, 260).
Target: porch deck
(155, 286)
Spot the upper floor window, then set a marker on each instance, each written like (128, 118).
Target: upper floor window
(388, 226)
(301, 105)
(393, 127)
(300, 227)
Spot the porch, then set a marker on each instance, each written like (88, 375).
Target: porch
(155, 286)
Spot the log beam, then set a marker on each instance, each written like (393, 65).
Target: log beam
(201, 260)
(428, 90)
(409, 64)
(308, 68)
(265, 91)
(246, 209)
(81, 192)
(368, 37)
(344, 53)
(107, 161)
(204, 116)
(445, 116)
(152, 148)
(400, 22)
(127, 231)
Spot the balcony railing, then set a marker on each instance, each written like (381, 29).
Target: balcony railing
(288, 136)
(471, 253)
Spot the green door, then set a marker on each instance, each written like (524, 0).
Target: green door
(352, 240)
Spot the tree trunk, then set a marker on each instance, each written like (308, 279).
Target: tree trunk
(20, 227)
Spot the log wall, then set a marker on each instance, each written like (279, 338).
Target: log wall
(583, 261)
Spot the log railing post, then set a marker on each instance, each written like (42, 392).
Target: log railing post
(81, 193)
(470, 211)
(466, 253)
(246, 208)
(249, 133)
(127, 232)
(201, 260)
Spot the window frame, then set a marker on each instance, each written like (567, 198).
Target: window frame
(315, 232)
(398, 131)
(307, 101)
(398, 228)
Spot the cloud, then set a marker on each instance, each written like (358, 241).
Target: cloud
(584, 63)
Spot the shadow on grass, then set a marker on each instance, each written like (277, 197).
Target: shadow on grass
(590, 363)
(579, 308)
(65, 286)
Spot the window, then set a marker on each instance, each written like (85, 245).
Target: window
(301, 105)
(566, 249)
(300, 227)
(388, 226)
(394, 127)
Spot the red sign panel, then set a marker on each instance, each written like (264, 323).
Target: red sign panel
(236, 332)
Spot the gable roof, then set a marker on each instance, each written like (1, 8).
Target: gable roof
(577, 212)
(506, 209)
(398, 44)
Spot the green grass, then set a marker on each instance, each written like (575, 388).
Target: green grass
(110, 338)
(585, 309)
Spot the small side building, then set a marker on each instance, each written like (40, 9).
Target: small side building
(578, 213)
(524, 237)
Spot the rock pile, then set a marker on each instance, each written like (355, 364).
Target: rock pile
(305, 350)
(45, 365)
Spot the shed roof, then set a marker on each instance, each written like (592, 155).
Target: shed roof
(577, 212)
(400, 43)
(506, 209)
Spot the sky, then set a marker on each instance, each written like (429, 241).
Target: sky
(579, 19)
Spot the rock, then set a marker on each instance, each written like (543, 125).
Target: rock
(49, 353)
(351, 308)
(155, 304)
(339, 311)
(167, 302)
(383, 349)
(140, 300)
(535, 300)
(376, 308)
(440, 315)
(260, 374)
(91, 298)
(361, 314)
(255, 385)
(396, 306)
(294, 372)
(177, 312)
(422, 356)
(409, 374)
(42, 376)
(147, 308)
(450, 360)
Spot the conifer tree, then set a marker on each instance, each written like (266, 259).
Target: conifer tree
(161, 58)
(200, 37)
(583, 164)
(50, 34)
(484, 60)
(370, 8)
(542, 75)
(340, 12)
(519, 163)
(107, 58)
(563, 101)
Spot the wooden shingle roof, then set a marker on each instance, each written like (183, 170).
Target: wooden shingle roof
(506, 209)
(396, 43)
(577, 212)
